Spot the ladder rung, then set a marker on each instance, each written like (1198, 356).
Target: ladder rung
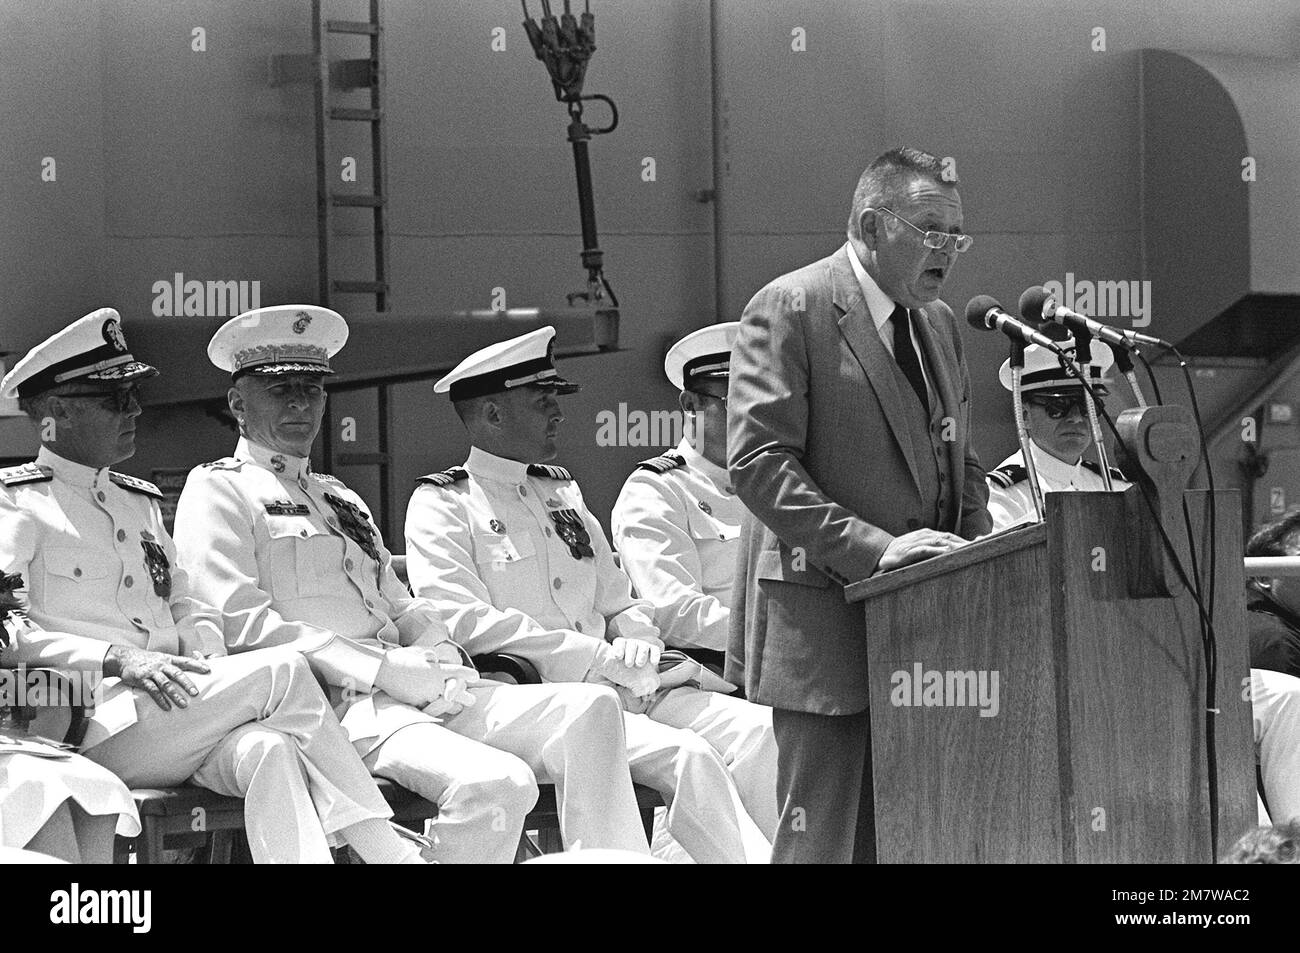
(366, 201)
(361, 287)
(352, 26)
(356, 115)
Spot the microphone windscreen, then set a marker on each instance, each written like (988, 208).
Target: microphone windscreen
(979, 306)
(1032, 301)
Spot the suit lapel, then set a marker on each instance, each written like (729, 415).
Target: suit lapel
(860, 334)
(939, 359)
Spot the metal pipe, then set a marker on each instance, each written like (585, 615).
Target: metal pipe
(1268, 566)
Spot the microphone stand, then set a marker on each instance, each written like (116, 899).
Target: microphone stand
(1017, 405)
(1083, 349)
(1125, 365)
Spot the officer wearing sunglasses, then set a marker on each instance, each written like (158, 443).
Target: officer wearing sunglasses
(1056, 419)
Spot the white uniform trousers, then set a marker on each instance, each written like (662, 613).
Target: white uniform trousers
(260, 728)
(713, 758)
(480, 766)
(1275, 704)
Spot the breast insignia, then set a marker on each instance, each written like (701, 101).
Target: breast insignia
(444, 478)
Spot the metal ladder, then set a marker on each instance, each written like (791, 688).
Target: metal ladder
(349, 74)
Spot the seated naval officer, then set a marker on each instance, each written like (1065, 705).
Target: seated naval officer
(508, 552)
(53, 801)
(104, 595)
(292, 557)
(676, 523)
(1059, 434)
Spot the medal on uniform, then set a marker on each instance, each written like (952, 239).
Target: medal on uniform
(571, 529)
(155, 560)
(354, 524)
(497, 526)
(277, 463)
(704, 505)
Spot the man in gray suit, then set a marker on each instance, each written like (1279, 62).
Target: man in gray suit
(848, 435)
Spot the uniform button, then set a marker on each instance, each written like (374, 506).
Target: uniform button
(137, 622)
(100, 496)
(558, 582)
(578, 626)
(548, 531)
(121, 535)
(347, 564)
(304, 534)
(523, 491)
(369, 604)
(128, 582)
(77, 572)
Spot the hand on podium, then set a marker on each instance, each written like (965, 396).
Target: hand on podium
(918, 545)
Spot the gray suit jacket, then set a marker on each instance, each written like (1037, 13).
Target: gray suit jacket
(824, 456)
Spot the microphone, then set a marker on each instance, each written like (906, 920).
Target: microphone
(1039, 304)
(984, 312)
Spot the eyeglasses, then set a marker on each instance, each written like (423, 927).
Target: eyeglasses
(722, 400)
(118, 400)
(936, 240)
(1058, 408)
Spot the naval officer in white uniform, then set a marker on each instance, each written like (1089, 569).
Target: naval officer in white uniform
(1057, 423)
(104, 594)
(507, 550)
(292, 557)
(676, 523)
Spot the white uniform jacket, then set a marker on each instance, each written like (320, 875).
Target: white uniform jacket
(99, 570)
(1011, 500)
(676, 526)
(264, 543)
(486, 543)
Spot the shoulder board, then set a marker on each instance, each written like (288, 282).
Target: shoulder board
(135, 485)
(549, 472)
(1115, 472)
(445, 478)
(662, 464)
(1008, 476)
(225, 463)
(326, 478)
(26, 473)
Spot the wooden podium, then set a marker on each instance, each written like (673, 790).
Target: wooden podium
(1095, 751)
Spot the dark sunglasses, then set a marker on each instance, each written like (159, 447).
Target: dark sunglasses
(118, 400)
(1058, 408)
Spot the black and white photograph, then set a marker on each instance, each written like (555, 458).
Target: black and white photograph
(655, 432)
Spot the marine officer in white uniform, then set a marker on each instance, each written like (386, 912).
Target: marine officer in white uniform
(292, 557)
(1056, 421)
(676, 523)
(104, 594)
(507, 550)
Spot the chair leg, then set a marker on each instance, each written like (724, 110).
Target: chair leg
(149, 846)
(220, 845)
(122, 847)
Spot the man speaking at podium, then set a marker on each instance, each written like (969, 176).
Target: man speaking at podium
(848, 435)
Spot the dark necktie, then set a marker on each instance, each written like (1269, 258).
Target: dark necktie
(905, 354)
